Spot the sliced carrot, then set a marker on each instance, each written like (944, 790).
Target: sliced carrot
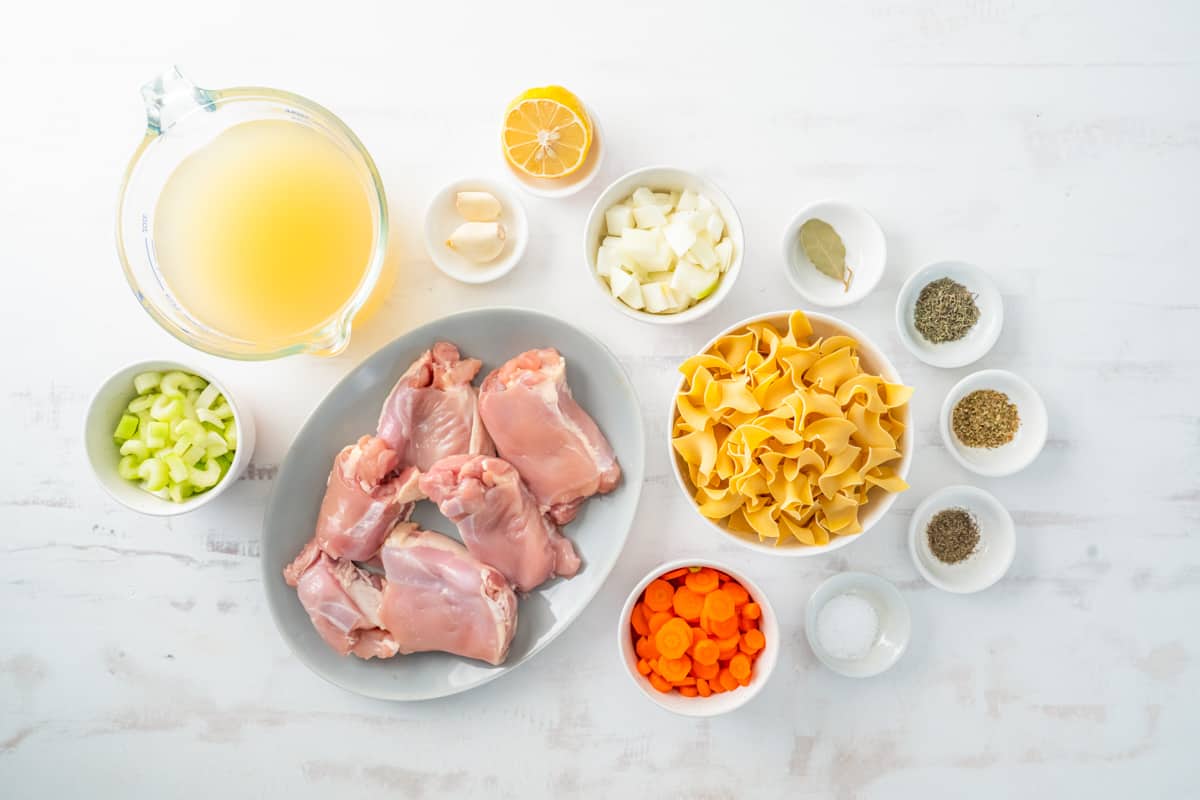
(715, 686)
(723, 576)
(718, 606)
(639, 647)
(728, 682)
(674, 637)
(752, 611)
(706, 651)
(707, 671)
(754, 640)
(638, 619)
(737, 592)
(739, 667)
(658, 619)
(643, 666)
(698, 635)
(660, 683)
(747, 624)
(689, 691)
(648, 650)
(659, 594)
(725, 628)
(728, 647)
(688, 604)
(702, 687)
(675, 573)
(703, 580)
(675, 669)
(686, 680)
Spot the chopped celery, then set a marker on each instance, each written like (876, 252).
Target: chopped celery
(136, 448)
(177, 436)
(188, 429)
(207, 477)
(156, 434)
(206, 398)
(127, 427)
(205, 415)
(180, 491)
(177, 383)
(167, 408)
(127, 468)
(139, 404)
(146, 381)
(193, 455)
(178, 469)
(214, 445)
(153, 473)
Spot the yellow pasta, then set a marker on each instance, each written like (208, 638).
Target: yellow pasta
(785, 438)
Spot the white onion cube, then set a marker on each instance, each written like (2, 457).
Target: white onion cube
(617, 219)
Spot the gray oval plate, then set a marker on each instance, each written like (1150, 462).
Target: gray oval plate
(352, 408)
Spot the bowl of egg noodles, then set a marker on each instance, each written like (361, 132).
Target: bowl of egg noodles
(790, 433)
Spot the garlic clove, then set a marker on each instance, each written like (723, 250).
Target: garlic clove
(478, 241)
(477, 206)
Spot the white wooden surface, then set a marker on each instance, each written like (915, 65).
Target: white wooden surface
(1055, 144)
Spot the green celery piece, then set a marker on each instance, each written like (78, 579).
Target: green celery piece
(175, 383)
(153, 474)
(207, 397)
(146, 382)
(139, 404)
(188, 429)
(167, 407)
(231, 435)
(206, 477)
(215, 445)
(222, 409)
(157, 434)
(136, 448)
(179, 492)
(127, 427)
(178, 469)
(127, 468)
(193, 455)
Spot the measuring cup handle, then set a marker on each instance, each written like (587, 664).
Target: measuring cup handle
(169, 97)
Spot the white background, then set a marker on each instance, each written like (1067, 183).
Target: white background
(1055, 144)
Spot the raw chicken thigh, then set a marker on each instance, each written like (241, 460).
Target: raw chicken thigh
(440, 597)
(433, 410)
(499, 519)
(343, 602)
(539, 428)
(364, 498)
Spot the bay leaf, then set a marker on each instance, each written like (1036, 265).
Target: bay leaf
(825, 249)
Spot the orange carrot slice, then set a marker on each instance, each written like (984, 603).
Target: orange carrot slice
(718, 606)
(752, 611)
(702, 687)
(659, 595)
(675, 669)
(686, 680)
(707, 671)
(675, 573)
(660, 683)
(688, 604)
(706, 651)
(658, 619)
(673, 638)
(689, 691)
(703, 581)
(643, 666)
(739, 668)
(737, 592)
(725, 628)
(754, 640)
(638, 620)
(728, 682)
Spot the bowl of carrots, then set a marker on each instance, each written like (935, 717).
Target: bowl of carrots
(698, 638)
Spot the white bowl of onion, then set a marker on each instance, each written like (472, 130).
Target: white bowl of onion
(675, 239)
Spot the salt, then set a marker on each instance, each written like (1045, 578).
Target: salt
(847, 626)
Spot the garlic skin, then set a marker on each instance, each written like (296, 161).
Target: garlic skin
(477, 206)
(477, 241)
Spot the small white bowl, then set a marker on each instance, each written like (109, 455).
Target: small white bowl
(716, 703)
(874, 361)
(663, 179)
(554, 188)
(1025, 446)
(895, 624)
(866, 254)
(993, 555)
(979, 339)
(104, 412)
(442, 218)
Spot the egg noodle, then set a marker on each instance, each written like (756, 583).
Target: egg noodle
(785, 438)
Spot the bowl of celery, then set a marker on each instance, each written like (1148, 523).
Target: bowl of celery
(164, 438)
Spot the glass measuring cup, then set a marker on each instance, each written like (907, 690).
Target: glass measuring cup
(181, 118)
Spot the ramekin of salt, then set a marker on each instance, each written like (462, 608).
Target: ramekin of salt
(857, 624)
